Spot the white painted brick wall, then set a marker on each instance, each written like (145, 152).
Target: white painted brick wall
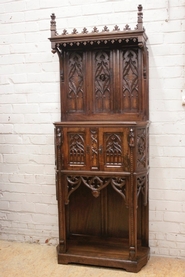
(29, 104)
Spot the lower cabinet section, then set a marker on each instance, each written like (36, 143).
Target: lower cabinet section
(102, 195)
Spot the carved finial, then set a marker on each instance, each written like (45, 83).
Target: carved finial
(58, 136)
(85, 31)
(116, 28)
(140, 8)
(127, 27)
(64, 32)
(53, 31)
(53, 17)
(140, 17)
(74, 32)
(131, 138)
(105, 29)
(53, 22)
(95, 29)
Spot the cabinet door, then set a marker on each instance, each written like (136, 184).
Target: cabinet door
(75, 148)
(113, 149)
(96, 148)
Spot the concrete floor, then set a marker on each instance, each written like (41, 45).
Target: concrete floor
(33, 260)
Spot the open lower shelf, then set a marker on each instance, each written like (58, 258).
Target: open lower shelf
(106, 252)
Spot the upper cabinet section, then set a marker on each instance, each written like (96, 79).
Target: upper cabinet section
(103, 75)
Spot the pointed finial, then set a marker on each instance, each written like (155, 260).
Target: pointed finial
(74, 32)
(53, 22)
(140, 17)
(95, 29)
(105, 29)
(116, 28)
(53, 31)
(127, 27)
(64, 32)
(84, 31)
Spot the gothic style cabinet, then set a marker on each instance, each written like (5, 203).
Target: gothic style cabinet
(101, 146)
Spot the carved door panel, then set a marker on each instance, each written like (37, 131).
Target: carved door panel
(76, 148)
(129, 79)
(102, 83)
(113, 149)
(74, 92)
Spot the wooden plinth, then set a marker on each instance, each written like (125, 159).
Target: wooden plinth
(103, 252)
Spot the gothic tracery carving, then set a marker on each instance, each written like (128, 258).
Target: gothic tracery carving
(73, 182)
(94, 147)
(142, 187)
(114, 149)
(130, 80)
(141, 148)
(119, 184)
(75, 75)
(102, 81)
(96, 184)
(76, 148)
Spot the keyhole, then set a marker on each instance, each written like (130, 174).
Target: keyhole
(102, 77)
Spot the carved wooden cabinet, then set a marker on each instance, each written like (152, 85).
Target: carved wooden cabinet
(102, 146)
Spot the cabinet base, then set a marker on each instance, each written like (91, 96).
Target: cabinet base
(106, 255)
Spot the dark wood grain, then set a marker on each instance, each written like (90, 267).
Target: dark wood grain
(102, 146)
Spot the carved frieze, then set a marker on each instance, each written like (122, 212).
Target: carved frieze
(85, 37)
(96, 184)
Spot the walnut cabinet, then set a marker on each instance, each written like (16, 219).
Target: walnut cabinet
(102, 146)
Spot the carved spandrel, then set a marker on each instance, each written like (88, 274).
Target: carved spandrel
(102, 82)
(119, 185)
(130, 81)
(141, 149)
(142, 188)
(75, 96)
(76, 148)
(73, 182)
(114, 151)
(96, 184)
